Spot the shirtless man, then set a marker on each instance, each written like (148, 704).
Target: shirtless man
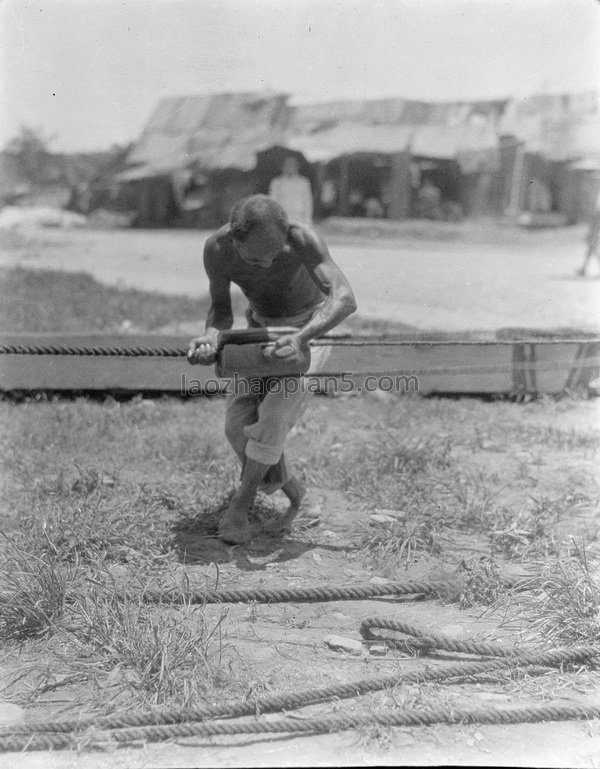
(289, 279)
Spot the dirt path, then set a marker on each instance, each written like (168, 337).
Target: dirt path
(522, 280)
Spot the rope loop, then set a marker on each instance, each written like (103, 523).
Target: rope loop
(202, 721)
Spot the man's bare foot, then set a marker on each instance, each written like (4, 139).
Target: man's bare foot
(296, 493)
(234, 528)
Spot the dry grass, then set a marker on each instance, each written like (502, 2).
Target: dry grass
(121, 645)
(81, 304)
(561, 605)
(90, 487)
(165, 654)
(33, 593)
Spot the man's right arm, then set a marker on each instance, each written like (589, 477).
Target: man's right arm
(203, 349)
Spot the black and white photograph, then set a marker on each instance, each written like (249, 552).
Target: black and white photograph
(299, 383)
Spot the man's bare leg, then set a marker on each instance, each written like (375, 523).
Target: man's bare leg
(295, 492)
(234, 527)
(582, 270)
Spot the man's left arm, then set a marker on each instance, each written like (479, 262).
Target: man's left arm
(339, 302)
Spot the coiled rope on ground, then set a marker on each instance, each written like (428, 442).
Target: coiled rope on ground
(156, 726)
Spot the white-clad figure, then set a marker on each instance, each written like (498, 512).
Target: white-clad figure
(592, 240)
(293, 192)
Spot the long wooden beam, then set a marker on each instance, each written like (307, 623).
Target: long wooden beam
(439, 363)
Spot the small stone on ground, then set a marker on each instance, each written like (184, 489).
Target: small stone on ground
(11, 714)
(339, 643)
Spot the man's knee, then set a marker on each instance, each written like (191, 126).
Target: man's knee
(234, 430)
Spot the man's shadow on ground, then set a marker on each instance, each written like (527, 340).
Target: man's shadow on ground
(196, 540)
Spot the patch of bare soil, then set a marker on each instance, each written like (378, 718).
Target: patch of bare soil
(460, 491)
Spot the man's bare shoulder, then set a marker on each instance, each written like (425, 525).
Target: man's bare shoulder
(306, 241)
(218, 253)
(218, 245)
(219, 240)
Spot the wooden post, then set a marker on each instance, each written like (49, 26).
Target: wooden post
(344, 185)
(319, 178)
(400, 189)
(145, 202)
(515, 201)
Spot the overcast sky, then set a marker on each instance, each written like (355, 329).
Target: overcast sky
(91, 71)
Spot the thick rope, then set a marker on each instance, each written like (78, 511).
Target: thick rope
(181, 352)
(293, 594)
(320, 725)
(182, 722)
(296, 700)
(60, 349)
(431, 640)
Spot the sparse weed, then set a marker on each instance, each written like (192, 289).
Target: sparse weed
(482, 584)
(559, 439)
(112, 642)
(530, 529)
(469, 497)
(535, 528)
(563, 604)
(165, 653)
(33, 593)
(388, 546)
(377, 736)
(98, 526)
(475, 581)
(377, 471)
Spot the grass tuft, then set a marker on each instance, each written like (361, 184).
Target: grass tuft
(481, 584)
(469, 497)
(165, 653)
(33, 593)
(563, 604)
(391, 545)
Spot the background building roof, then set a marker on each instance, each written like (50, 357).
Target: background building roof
(227, 130)
(559, 126)
(463, 130)
(217, 131)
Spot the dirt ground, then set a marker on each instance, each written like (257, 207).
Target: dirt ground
(542, 451)
(520, 451)
(453, 277)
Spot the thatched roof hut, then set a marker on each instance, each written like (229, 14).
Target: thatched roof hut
(454, 130)
(213, 132)
(196, 155)
(217, 148)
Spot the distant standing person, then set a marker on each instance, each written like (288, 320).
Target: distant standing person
(293, 192)
(592, 240)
